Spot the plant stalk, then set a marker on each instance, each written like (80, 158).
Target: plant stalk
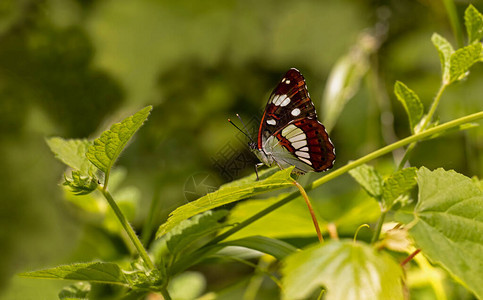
(349, 166)
(165, 294)
(311, 210)
(428, 118)
(380, 221)
(127, 227)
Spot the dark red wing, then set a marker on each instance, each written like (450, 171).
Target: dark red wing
(289, 100)
(290, 116)
(320, 147)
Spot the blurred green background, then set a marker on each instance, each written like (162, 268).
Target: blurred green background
(71, 68)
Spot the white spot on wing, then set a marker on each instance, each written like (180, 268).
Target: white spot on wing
(302, 154)
(299, 137)
(295, 132)
(277, 100)
(295, 112)
(304, 149)
(271, 122)
(285, 102)
(305, 160)
(299, 144)
(288, 130)
(287, 81)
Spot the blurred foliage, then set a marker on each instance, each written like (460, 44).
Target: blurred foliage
(70, 67)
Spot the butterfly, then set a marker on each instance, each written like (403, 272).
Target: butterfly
(289, 132)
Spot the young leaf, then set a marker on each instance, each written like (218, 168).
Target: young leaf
(229, 193)
(78, 290)
(106, 149)
(410, 100)
(462, 59)
(346, 269)
(72, 153)
(397, 184)
(474, 24)
(369, 179)
(92, 272)
(444, 50)
(80, 184)
(450, 224)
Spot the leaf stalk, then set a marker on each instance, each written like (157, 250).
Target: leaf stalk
(127, 227)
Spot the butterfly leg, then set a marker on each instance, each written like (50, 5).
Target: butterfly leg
(256, 169)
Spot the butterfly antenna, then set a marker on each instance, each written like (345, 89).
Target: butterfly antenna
(244, 127)
(249, 137)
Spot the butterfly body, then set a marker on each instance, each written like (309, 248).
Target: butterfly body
(289, 132)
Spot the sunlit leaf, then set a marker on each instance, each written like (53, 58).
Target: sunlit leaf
(231, 192)
(368, 177)
(462, 59)
(449, 227)
(72, 153)
(474, 24)
(106, 149)
(410, 100)
(295, 216)
(92, 272)
(444, 50)
(346, 269)
(397, 184)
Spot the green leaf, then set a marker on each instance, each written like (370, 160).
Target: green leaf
(297, 221)
(474, 24)
(106, 149)
(72, 153)
(78, 290)
(444, 50)
(185, 234)
(100, 272)
(449, 227)
(79, 184)
(346, 269)
(368, 177)
(397, 184)
(276, 248)
(229, 193)
(410, 100)
(462, 59)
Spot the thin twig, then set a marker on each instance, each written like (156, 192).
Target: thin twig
(311, 210)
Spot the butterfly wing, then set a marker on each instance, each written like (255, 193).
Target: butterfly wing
(289, 100)
(289, 130)
(307, 141)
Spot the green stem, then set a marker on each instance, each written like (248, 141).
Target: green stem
(380, 221)
(127, 227)
(165, 294)
(347, 167)
(428, 118)
(435, 104)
